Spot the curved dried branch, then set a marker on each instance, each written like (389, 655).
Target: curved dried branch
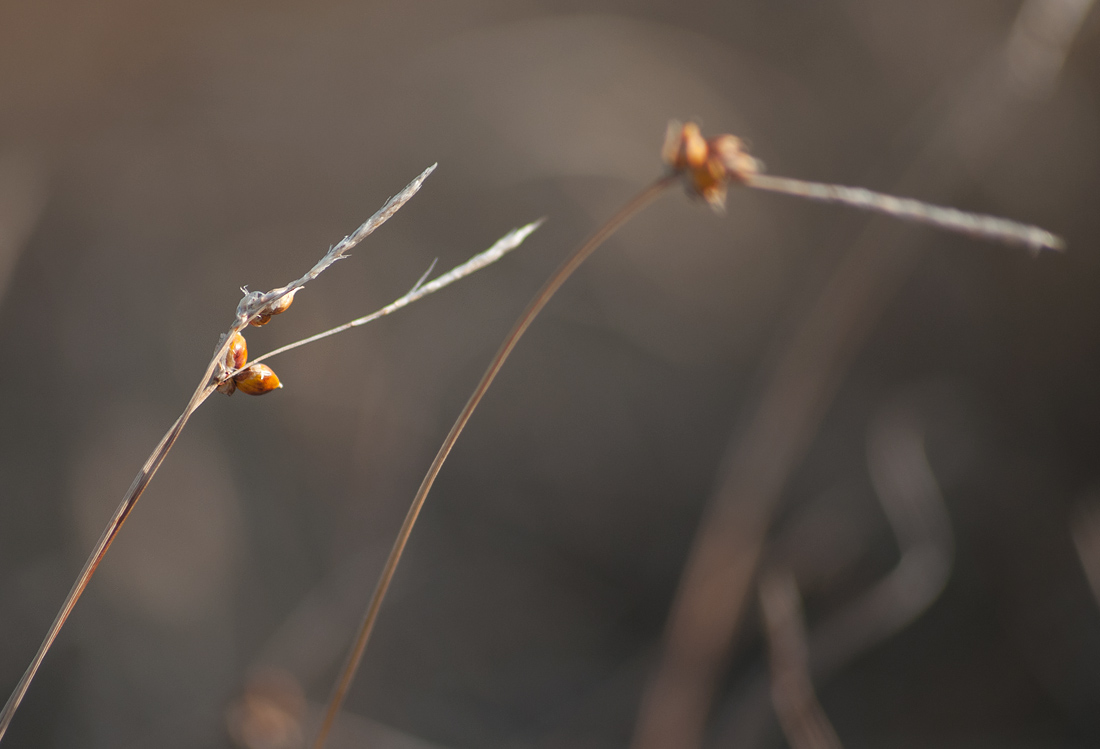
(362, 637)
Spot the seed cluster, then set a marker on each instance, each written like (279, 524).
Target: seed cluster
(255, 379)
(708, 165)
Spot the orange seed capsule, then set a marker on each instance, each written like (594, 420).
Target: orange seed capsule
(685, 148)
(277, 307)
(257, 380)
(707, 166)
(280, 306)
(237, 355)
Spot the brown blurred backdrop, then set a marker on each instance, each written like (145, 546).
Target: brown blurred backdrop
(154, 157)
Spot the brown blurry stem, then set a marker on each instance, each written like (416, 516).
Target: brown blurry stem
(1085, 528)
(722, 562)
(911, 499)
(355, 655)
(129, 501)
(801, 716)
(23, 195)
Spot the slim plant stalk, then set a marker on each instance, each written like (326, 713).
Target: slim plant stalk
(804, 722)
(362, 637)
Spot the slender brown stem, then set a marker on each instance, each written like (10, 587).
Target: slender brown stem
(351, 665)
(129, 501)
(801, 716)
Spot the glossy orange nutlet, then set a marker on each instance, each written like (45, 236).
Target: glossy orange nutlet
(277, 307)
(257, 380)
(237, 355)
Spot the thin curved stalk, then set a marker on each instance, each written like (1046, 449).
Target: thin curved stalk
(359, 646)
(129, 501)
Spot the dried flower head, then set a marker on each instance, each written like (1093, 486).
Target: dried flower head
(707, 165)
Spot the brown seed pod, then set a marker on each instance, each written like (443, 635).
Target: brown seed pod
(685, 148)
(237, 355)
(277, 307)
(280, 306)
(707, 166)
(257, 380)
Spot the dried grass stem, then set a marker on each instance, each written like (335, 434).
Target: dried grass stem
(359, 646)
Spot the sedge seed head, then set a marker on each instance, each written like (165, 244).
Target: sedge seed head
(707, 165)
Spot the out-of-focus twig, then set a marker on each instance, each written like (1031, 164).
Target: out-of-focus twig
(268, 714)
(22, 200)
(911, 498)
(1086, 538)
(913, 504)
(272, 712)
(717, 575)
(355, 732)
(800, 714)
(1040, 42)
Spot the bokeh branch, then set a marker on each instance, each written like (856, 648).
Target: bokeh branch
(913, 505)
(800, 714)
(722, 562)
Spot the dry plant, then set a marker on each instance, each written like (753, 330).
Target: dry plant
(229, 370)
(706, 168)
(1085, 529)
(22, 200)
(761, 454)
(800, 714)
(913, 505)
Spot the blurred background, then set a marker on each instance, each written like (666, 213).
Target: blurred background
(934, 492)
